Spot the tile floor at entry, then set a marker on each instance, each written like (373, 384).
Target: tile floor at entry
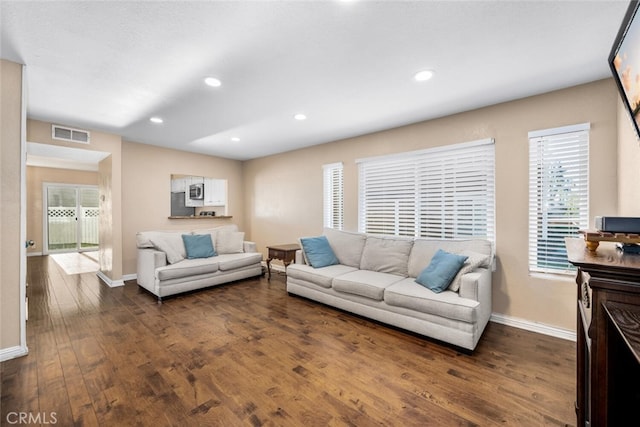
(77, 262)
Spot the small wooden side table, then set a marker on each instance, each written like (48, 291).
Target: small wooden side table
(285, 253)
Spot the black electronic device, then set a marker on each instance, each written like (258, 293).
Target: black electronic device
(618, 224)
(629, 248)
(624, 61)
(196, 191)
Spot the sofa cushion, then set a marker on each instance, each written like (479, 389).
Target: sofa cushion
(213, 232)
(424, 249)
(187, 268)
(386, 254)
(228, 262)
(474, 260)
(408, 294)
(229, 242)
(366, 283)
(317, 251)
(171, 244)
(346, 245)
(198, 246)
(319, 276)
(441, 270)
(143, 238)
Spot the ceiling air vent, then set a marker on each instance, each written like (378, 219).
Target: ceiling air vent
(69, 134)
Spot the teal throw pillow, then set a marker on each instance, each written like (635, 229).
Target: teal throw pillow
(441, 271)
(318, 251)
(198, 246)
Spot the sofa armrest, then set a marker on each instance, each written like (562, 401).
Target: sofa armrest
(476, 285)
(299, 257)
(249, 246)
(148, 261)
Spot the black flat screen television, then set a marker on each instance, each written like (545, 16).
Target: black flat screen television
(624, 61)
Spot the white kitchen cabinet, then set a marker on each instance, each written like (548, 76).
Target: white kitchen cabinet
(215, 192)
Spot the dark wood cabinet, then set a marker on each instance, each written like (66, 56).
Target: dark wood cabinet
(608, 334)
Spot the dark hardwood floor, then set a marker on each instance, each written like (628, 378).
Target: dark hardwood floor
(249, 354)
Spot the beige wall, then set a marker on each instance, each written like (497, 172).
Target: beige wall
(10, 202)
(146, 174)
(110, 186)
(36, 176)
(628, 166)
(283, 193)
(279, 198)
(109, 238)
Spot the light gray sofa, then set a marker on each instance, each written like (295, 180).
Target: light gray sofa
(375, 278)
(163, 268)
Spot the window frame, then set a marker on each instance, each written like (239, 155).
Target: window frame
(333, 196)
(558, 180)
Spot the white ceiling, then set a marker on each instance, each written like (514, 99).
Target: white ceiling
(348, 66)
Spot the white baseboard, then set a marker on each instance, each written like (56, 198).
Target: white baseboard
(34, 254)
(13, 352)
(110, 283)
(528, 325)
(133, 276)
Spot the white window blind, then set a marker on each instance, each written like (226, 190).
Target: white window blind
(333, 196)
(444, 192)
(558, 194)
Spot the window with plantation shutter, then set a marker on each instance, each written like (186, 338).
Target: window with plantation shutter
(333, 196)
(558, 194)
(444, 192)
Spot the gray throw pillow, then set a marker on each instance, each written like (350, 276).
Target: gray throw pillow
(386, 254)
(172, 245)
(474, 260)
(229, 242)
(346, 245)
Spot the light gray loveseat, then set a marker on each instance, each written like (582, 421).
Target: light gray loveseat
(163, 268)
(375, 278)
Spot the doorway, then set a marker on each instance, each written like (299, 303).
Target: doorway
(71, 217)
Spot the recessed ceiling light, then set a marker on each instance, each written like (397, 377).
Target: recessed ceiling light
(422, 76)
(300, 116)
(156, 120)
(213, 82)
(235, 139)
